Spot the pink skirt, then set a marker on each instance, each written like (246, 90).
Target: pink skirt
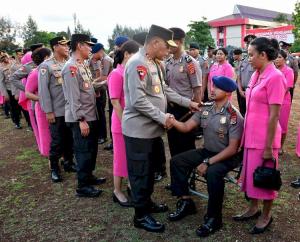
(120, 161)
(298, 143)
(43, 130)
(2, 99)
(252, 160)
(284, 117)
(33, 123)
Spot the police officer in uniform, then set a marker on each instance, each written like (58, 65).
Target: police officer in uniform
(80, 114)
(24, 70)
(144, 119)
(53, 102)
(182, 77)
(291, 62)
(223, 127)
(244, 73)
(6, 90)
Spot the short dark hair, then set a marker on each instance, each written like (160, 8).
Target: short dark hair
(269, 46)
(129, 46)
(237, 51)
(223, 50)
(39, 55)
(282, 53)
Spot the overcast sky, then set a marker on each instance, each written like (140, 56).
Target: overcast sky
(100, 16)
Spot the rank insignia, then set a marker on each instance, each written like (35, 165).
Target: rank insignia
(142, 71)
(191, 68)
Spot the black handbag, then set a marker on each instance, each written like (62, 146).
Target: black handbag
(267, 177)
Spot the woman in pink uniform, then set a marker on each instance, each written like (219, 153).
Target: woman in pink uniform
(262, 131)
(31, 92)
(288, 73)
(115, 86)
(220, 68)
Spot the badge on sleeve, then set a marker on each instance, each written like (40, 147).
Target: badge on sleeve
(191, 68)
(156, 89)
(73, 70)
(43, 71)
(142, 71)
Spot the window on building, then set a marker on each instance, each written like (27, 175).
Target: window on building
(221, 30)
(221, 42)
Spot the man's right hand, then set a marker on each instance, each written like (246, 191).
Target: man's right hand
(242, 93)
(50, 117)
(169, 121)
(84, 128)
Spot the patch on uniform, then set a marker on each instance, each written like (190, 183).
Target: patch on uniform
(191, 68)
(86, 85)
(142, 71)
(156, 89)
(205, 113)
(233, 115)
(223, 120)
(188, 58)
(73, 70)
(43, 71)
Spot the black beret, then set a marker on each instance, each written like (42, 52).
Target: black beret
(140, 38)
(76, 38)
(248, 38)
(178, 33)
(163, 33)
(94, 40)
(19, 50)
(224, 83)
(194, 45)
(59, 40)
(36, 46)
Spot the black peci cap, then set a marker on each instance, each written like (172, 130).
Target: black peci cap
(36, 46)
(178, 33)
(163, 33)
(284, 44)
(194, 45)
(248, 38)
(76, 38)
(19, 50)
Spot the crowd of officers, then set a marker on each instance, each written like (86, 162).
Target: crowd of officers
(163, 83)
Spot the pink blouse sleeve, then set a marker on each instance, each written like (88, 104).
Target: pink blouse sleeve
(229, 72)
(290, 78)
(115, 85)
(32, 82)
(276, 87)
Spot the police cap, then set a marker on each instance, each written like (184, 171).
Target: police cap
(163, 33)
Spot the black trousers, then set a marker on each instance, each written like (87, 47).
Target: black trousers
(101, 104)
(160, 159)
(141, 161)
(183, 164)
(26, 116)
(179, 142)
(61, 142)
(241, 102)
(85, 149)
(292, 92)
(6, 108)
(15, 109)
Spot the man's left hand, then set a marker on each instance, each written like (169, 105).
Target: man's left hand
(202, 168)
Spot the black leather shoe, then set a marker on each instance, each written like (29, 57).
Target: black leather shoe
(256, 230)
(96, 181)
(88, 191)
(122, 204)
(55, 176)
(109, 147)
(241, 217)
(69, 166)
(168, 187)
(296, 183)
(209, 227)
(18, 126)
(184, 207)
(158, 208)
(148, 223)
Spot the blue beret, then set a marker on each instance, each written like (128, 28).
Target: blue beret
(97, 47)
(224, 83)
(120, 40)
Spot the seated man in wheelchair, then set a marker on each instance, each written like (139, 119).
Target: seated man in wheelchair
(222, 129)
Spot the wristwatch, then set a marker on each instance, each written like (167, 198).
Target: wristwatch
(206, 161)
(80, 119)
